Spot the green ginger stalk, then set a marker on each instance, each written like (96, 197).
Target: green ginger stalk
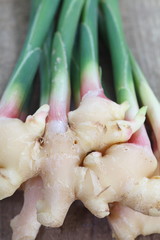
(89, 69)
(75, 73)
(22, 77)
(61, 56)
(45, 69)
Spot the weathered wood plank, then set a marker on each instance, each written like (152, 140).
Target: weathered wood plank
(141, 23)
(142, 27)
(13, 26)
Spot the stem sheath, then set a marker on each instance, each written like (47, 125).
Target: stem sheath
(61, 57)
(89, 69)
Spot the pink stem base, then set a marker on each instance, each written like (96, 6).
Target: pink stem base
(9, 110)
(91, 87)
(58, 110)
(91, 82)
(141, 138)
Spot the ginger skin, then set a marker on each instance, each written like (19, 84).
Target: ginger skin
(20, 149)
(25, 225)
(99, 123)
(129, 224)
(124, 171)
(62, 177)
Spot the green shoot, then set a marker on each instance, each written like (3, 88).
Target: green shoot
(25, 69)
(89, 69)
(119, 53)
(61, 56)
(45, 70)
(75, 74)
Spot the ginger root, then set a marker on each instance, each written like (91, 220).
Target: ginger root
(20, 147)
(124, 171)
(59, 157)
(63, 153)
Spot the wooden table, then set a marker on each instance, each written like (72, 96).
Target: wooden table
(141, 20)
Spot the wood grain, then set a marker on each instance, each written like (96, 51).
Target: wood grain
(141, 20)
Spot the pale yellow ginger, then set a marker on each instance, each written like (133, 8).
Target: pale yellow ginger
(62, 153)
(124, 172)
(20, 147)
(127, 224)
(99, 123)
(64, 180)
(25, 225)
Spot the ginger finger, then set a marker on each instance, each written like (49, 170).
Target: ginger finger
(99, 123)
(25, 225)
(129, 224)
(131, 164)
(20, 149)
(88, 190)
